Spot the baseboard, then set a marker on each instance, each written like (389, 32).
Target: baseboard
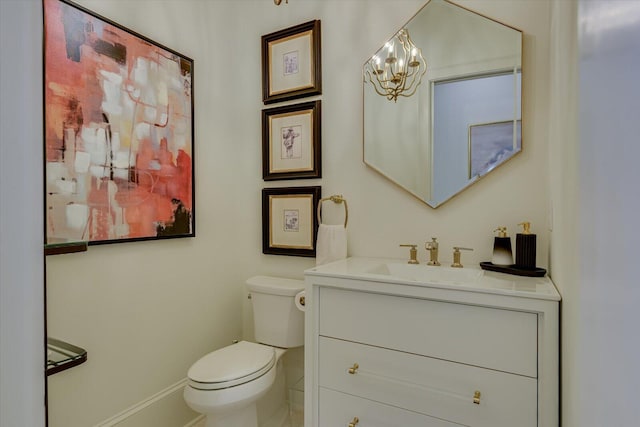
(195, 422)
(163, 409)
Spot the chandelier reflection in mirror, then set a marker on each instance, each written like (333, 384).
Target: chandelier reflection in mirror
(401, 70)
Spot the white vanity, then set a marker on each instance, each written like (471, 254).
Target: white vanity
(392, 344)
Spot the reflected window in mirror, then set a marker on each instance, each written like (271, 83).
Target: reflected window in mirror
(480, 135)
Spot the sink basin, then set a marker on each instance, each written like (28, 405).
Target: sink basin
(428, 273)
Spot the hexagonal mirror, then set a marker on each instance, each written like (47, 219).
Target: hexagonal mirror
(442, 101)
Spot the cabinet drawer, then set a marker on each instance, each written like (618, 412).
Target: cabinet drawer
(338, 410)
(432, 387)
(498, 339)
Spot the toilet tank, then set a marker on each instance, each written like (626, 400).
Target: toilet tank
(276, 319)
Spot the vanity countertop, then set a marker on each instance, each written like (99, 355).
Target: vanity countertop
(397, 271)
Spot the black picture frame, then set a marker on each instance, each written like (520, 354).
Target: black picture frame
(102, 80)
(292, 141)
(291, 63)
(289, 221)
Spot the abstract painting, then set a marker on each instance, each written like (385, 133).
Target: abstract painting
(118, 132)
(491, 144)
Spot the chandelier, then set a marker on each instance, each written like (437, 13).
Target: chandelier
(400, 72)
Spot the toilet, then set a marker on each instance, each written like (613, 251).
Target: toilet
(226, 384)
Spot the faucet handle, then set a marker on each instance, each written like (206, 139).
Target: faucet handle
(456, 256)
(413, 253)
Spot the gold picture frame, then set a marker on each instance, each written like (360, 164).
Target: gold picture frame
(289, 222)
(291, 141)
(291, 63)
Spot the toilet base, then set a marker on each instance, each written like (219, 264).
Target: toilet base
(246, 417)
(234, 406)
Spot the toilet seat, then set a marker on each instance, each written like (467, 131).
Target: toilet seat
(231, 366)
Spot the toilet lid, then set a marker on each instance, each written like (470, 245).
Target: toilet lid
(232, 365)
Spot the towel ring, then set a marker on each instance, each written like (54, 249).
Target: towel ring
(336, 198)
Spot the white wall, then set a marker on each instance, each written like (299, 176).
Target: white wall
(564, 181)
(594, 184)
(146, 311)
(510, 195)
(144, 323)
(609, 201)
(21, 262)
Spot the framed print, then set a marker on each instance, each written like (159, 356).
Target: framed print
(289, 223)
(291, 65)
(291, 142)
(490, 144)
(119, 146)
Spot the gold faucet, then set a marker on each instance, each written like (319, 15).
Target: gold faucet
(456, 256)
(413, 254)
(432, 247)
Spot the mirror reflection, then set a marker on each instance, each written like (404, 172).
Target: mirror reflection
(462, 118)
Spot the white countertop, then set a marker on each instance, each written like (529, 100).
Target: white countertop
(373, 269)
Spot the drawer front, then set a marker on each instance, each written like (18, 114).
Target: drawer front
(339, 410)
(498, 339)
(433, 387)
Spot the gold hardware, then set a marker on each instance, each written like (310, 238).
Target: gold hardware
(456, 256)
(277, 2)
(302, 300)
(336, 198)
(432, 247)
(413, 253)
(525, 227)
(354, 369)
(502, 231)
(354, 422)
(476, 397)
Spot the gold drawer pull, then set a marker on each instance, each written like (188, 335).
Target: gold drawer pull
(476, 397)
(354, 422)
(353, 370)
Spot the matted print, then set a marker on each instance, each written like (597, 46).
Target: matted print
(291, 63)
(291, 146)
(289, 223)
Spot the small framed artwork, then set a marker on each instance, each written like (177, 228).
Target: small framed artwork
(289, 223)
(119, 132)
(491, 144)
(291, 65)
(291, 142)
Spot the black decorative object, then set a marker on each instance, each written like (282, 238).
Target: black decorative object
(513, 269)
(526, 248)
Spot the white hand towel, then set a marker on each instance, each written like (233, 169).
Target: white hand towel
(331, 244)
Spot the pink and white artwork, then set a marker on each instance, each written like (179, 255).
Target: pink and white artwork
(118, 132)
